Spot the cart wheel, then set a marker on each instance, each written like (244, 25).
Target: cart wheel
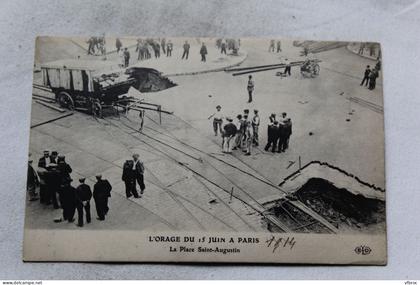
(97, 109)
(65, 100)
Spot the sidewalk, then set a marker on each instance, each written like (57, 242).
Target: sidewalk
(355, 47)
(174, 65)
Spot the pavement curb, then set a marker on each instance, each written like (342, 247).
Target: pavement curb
(361, 55)
(207, 71)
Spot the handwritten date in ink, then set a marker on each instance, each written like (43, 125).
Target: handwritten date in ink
(280, 242)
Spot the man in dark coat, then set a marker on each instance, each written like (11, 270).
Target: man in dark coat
(229, 132)
(288, 133)
(126, 57)
(32, 182)
(138, 169)
(250, 87)
(129, 178)
(68, 202)
(169, 48)
(118, 45)
(44, 165)
(281, 137)
(366, 76)
(372, 79)
(203, 52)
(101, 193)
(186, 47)
(272, 136)
(83, 196)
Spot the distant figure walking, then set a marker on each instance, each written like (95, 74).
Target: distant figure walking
(186, 47)
(255, 127)
(271, 47)
(250, 88)
(223, 47)
(126, 57)
(203, 52)
(118, 45)
(278, 46)
(272, 136)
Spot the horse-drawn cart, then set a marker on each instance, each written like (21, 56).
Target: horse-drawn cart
(92, 85)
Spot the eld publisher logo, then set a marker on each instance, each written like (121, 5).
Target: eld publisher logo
(363, 250)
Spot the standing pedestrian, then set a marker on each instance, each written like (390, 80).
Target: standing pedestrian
(239, 126)
(129, 178)
(43, 168)
(249, 137)
(32, 182)
(186, 47)
(223, 47)
(68, 202)
(163, 45)
(288, 133)
(271, 47)
(250, 88)
(278, 46)
(288, 67)
(118, 45)
(169, 48)
(203, 52)
(372, 79)
(126, 55)
(272, 136)
(366, 76)
(83, 196)
(255, 127)
(229, 135)
(217, 120)
(101, 193)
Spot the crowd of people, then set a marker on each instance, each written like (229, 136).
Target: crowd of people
(53, 180)
(148, 48)
(244, 133)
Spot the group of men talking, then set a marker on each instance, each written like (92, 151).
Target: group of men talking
(53, 179)
(244, 133)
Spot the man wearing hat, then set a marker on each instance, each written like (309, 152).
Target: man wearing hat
(68, 202)
(217, 120)
(43, 169)
(272, 136)
(228, 135)
(287, 133)
(32, 182)
(255, 127)
(129, 178)
(83, 196)
(101, 193)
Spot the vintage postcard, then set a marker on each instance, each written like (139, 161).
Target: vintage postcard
(241, 150)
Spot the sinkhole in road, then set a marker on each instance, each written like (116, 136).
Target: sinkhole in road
(347, 211)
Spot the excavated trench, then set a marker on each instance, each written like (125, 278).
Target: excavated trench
(347, 211)
(149, 80)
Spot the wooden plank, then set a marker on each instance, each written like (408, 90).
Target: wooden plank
(51, 106)
(52, 120)
(314, 215)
